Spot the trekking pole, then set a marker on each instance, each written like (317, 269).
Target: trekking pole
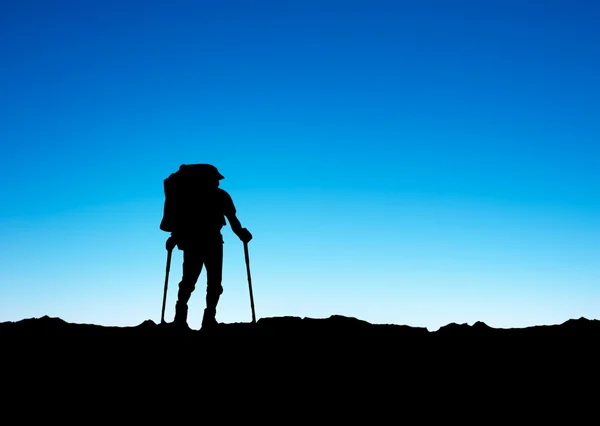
(162, 317)
(249, 281)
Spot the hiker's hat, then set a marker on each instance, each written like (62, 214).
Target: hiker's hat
(203, 170)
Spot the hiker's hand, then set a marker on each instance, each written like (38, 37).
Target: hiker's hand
(171, 243)
(245, 235)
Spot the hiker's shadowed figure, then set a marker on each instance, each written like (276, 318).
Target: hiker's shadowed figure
(195, 211)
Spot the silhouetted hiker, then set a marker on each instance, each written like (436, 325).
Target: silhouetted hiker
(195, 212)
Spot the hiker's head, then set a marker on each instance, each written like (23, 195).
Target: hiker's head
(212, 170)
(212, 177)
(215, 178)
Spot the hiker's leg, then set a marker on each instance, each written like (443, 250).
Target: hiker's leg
(214, 276)
(192, 266)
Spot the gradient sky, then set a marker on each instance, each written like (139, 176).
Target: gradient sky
(406, 162)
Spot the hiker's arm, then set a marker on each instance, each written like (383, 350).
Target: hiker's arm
(242, 233)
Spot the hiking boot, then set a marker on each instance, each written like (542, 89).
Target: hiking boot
(181, 311)
(209, 320)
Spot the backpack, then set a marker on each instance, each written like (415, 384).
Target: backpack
(190, 203)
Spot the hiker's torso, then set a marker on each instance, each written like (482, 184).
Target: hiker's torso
(203, 215)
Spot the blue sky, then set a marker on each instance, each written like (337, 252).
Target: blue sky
(405, 162)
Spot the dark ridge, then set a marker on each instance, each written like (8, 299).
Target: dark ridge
(336, 326)
(294, 365)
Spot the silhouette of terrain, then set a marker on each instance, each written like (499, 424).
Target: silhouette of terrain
(336, 327)
(338, 367)
(347, 339)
